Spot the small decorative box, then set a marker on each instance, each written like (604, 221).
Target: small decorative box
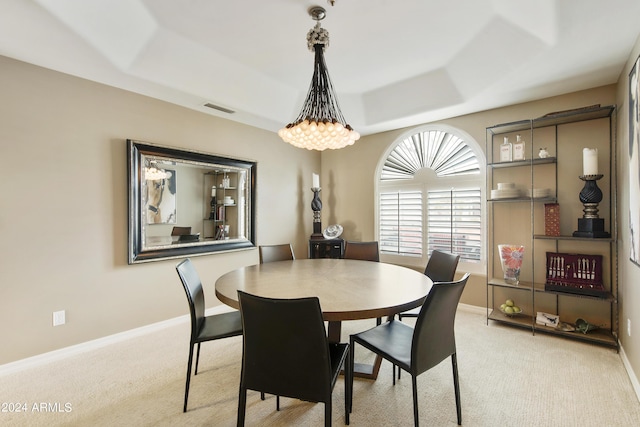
(552, 219)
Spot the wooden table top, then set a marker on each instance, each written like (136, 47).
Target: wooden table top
(347, 289)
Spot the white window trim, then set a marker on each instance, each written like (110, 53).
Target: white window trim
(417, 261)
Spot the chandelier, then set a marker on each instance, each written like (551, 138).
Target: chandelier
(320, 124)
(153, 173)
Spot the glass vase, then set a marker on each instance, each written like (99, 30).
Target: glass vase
(511, 257)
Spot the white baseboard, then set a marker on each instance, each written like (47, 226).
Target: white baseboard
(62, 353)
(632, 376)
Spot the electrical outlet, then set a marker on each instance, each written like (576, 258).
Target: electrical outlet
(59, 318)
(629, 327)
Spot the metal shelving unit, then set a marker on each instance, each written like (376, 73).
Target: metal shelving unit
(520, 220)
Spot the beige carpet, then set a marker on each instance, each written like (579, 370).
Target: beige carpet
(508, 377)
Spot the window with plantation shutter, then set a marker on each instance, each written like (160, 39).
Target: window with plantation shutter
(454, 222)
(430, 193)
(401, 222)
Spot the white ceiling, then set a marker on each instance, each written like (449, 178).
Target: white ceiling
(394, 63)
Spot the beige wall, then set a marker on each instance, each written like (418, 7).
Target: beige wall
(628, 273)
(63, 216)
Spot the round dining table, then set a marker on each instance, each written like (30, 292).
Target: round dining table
(347, 290)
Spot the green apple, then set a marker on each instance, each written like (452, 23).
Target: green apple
(508, 310)
(510, 303)
(516, 309)
(503, 306)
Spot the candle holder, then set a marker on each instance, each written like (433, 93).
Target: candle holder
(316, 207)
(590, 225)
(212, 213)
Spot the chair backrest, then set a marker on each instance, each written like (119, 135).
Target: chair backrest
(195, 295)
(180, 231)
(285, 348)
(271, 253)
(366, 251)
(442, 266)
(433, 335)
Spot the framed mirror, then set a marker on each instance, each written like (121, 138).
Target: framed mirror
(187, 203)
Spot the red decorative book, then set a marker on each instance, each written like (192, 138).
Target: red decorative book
(552, 219)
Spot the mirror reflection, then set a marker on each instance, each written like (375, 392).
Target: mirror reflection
(185, 202)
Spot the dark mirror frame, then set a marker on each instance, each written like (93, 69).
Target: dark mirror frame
(136, 153)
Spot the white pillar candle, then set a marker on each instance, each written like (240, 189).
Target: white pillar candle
(316, 181)
(590, 161)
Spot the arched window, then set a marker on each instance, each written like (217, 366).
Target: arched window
(430, 192)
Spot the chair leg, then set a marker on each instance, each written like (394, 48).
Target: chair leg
(327, 413)
(456, 386)
(186, 389)
(351, 362)
(242, 406)
(277, 403)
(197, 360)
(348, 380)
(414, 382)
(393, 374)
(262, 395)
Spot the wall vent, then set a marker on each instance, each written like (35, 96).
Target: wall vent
(219, 108)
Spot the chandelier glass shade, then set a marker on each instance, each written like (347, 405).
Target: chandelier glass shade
(320, 124)
(153, 173)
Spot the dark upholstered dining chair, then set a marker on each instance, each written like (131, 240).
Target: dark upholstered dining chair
(420, 348)
(271, 253)
(180, 231)
(440, 268)
(365, 251)
(203, 328)
(286, 352)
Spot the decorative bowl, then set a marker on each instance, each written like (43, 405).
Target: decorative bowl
(332, 231)
(511, 314)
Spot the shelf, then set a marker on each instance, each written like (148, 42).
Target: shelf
(539, 287)
(538, 161)
(607, 298)
(518, 126)
(554, 119)
(523, 320)
(572, 116)
(527, 286)
(524, 199)
(598, 336)
(587, 239)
